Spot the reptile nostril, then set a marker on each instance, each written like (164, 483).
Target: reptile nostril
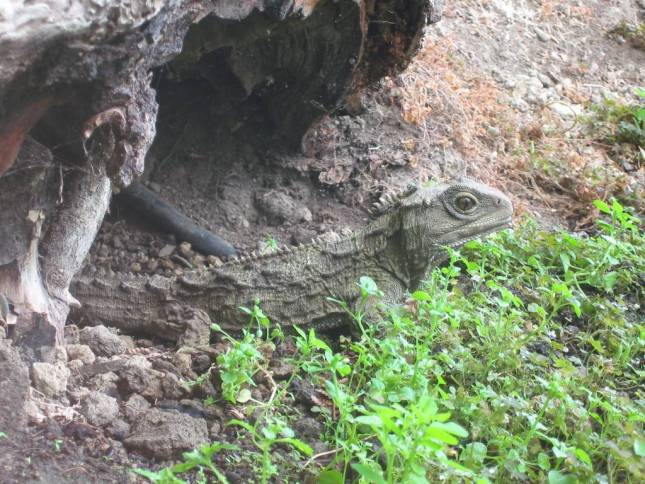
(499, 201)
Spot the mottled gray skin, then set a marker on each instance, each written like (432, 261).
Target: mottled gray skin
(397, 250)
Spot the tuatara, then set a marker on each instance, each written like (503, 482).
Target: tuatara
(397, 250)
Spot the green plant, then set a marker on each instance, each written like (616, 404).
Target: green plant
(622, 125)
(273, 431)
(270, 244)
(201, 459)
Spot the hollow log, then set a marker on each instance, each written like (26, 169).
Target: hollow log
(80, 87)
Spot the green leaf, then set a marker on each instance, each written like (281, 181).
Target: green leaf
(454, 429)
(639, 447)
(583, 456)
(371, 420)
(421, 296)
(330, 477)
(566, 263)
(543, 461)
(602, 206)
(370, 474)
(557, 477)
(244, 395)
(298, 444)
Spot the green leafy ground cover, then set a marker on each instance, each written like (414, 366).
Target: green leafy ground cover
(521, 360)
(622, 126)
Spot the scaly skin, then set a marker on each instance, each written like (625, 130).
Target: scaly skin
(397, 250)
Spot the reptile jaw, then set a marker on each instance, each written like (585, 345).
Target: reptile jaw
(506, 223)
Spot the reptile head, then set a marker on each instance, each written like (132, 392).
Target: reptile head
(450, 214)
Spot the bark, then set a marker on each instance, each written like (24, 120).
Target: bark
(85, 78)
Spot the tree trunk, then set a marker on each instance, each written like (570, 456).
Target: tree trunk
(85, 81)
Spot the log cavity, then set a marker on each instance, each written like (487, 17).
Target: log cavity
(264, 79)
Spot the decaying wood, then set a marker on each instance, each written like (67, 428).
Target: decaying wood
(81, 78)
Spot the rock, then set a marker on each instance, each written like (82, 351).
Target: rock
(51, 380)
(201, 363)
(139, 377)
(173, 388)
(166, 434)
(14, 388)
(75, 365)
(152, 265)
(54, 354)
(105, 383)
(565, 111)
(545, 80)
(214, 261)
(215, 430)
(119, 429)
(197, 329)
(80, 352)
(166, 250)
(281, 208)
(102, 341)
(542, 35)
(308, 428)
(183, 362)
(99, 409)
(301, 236)
(135, 405)
(186, 250)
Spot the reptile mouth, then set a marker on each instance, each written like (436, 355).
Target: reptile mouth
(505, 223)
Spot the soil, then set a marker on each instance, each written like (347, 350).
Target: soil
(495, 80)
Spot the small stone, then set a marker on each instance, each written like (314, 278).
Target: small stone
(71, 334)
(50, 380)
(152, 265)
(565, 111)
(166, 434)
(167, 264)
(81, 352)
(493, 131)
(119, 429)
(542, 35)
(117, 243)
(186, 249)
(105, 383)
(99, 408)
(167, 250)
(545, 80)
(201, 362)
(183, 362)
(308, 428)
(75, 365)
(215, 430)
(102, 341)
(214, 261)
(135, 405)
(135, 267)
(54, 354)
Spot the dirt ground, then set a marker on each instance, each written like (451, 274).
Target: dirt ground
(499, 92)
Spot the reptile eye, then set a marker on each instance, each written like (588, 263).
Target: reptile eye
(465, 202)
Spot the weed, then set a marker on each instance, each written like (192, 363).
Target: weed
(270, 244)
(201, 459)
(634, 34)
(622, 126)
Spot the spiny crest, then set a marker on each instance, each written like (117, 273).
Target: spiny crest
(390, 201)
